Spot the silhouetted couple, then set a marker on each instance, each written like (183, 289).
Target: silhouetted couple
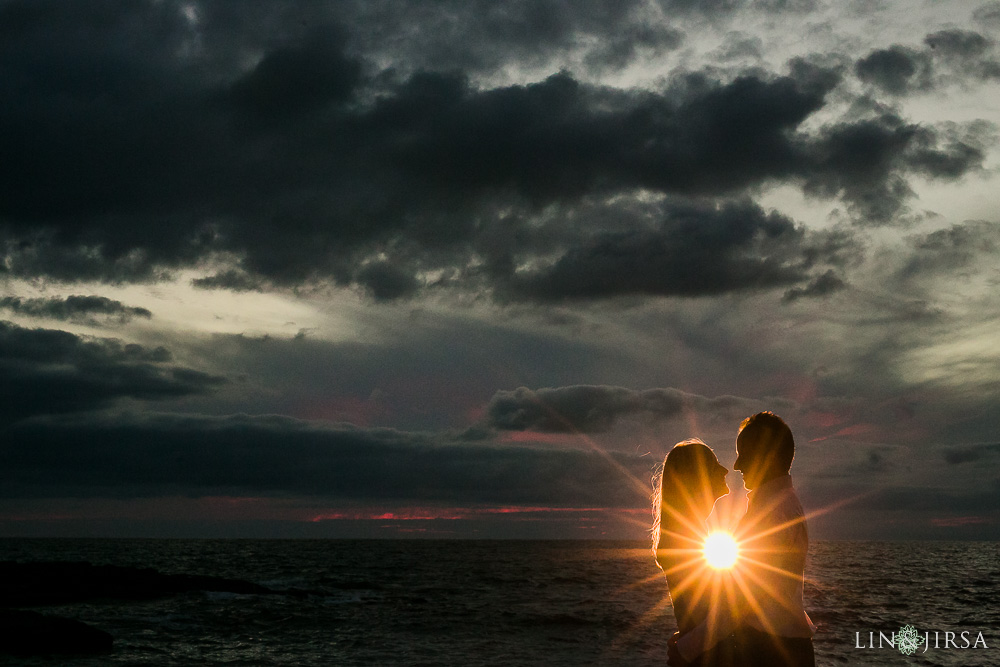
(750, 614)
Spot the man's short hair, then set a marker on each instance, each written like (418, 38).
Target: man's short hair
(771, 437)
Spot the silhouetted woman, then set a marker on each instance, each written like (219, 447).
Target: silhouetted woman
(691, 481)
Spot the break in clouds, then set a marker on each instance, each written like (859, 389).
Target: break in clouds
(287, 144)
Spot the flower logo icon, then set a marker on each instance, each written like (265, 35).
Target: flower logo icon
(907, 640)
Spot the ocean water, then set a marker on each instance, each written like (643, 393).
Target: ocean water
(473, 603)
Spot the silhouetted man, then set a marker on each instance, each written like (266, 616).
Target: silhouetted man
(770, 626)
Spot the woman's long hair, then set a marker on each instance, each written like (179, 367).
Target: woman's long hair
(672, 482)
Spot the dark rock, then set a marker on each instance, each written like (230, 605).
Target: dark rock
(34, 584)
(25, 633)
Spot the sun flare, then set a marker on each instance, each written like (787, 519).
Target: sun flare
(721, 550)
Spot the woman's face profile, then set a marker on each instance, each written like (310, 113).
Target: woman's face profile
(705, 484)
(718, 481)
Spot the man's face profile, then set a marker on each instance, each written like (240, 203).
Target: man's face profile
(747, 461)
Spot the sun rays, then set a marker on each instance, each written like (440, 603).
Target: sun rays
(734, 592)
(721, 550)
(747, 570)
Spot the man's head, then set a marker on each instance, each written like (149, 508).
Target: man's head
(764, 449)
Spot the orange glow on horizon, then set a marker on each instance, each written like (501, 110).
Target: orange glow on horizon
(454, 513)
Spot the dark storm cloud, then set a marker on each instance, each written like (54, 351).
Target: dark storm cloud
(386, 282)
(725, 7)
(958, 455)
(596, 408)
(739, 45)
(934, 501)
(960, 43)
(484, 35)
(559, 139)
(140, 137)
(43, 252)
(944, 57)
(233, 280)
(874, 459)
(968, 54)
(294, 80)
(698, 250)
(74, 307)
(864, 162)
(197, 455)
(167, 171)
(45, 371)
(952, 250)
(896, 70)
(622, 49)
(420, 162)
(988, 14)
(820, 286)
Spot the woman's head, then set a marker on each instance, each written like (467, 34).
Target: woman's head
(691, 481)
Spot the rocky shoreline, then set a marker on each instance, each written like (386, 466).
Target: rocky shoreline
(26, 632)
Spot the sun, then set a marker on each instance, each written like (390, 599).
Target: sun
(721, 550)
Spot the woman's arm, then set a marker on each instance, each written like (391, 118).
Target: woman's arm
(726, 611)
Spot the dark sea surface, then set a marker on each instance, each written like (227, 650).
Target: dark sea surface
(556, 603)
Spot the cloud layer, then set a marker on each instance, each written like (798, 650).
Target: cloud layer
(594, 409)
(86, 308)
(46, 371)
(145, 137)
(507, 233)
(269, 455)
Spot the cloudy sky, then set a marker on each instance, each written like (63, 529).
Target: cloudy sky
(470, 268)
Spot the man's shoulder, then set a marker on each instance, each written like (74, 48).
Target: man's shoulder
(780, 508)
(776, 493)
(788, 504)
